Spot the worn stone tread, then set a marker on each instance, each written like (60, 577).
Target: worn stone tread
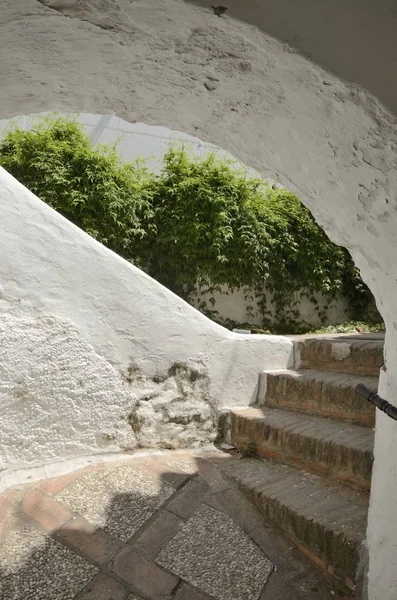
(330, 447)
(321, 393)
(360, 354)
(324, 519)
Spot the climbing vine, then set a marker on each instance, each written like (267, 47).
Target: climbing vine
(90, 186)
(200, 222)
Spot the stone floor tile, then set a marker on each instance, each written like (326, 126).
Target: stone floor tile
(214, 555)
(220, 457)
(158, 533)
(211, 500)
(8, 502)
(94, 544)
(34, 566)
(179, 462)
(186, 502)
(304, 588)
(143, 575)
(202, 541)
(57, 484)
(236, 505)
(44, 510)
(103, 587)
(186, 592)
(286, 558)
(165, 472)
(212, 476)
(118, 499)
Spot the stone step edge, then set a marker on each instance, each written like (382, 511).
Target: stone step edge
(367, 418)
(284, 511)
(282, 449)
(340, 355)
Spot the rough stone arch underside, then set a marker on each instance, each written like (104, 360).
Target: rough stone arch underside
(225, 81)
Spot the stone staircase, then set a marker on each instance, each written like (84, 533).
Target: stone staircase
(315, 437)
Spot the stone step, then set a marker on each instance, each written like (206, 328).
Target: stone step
(360, 354)
(337, 449)
(327, 521)
(319, 393)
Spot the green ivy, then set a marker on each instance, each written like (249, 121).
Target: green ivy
(90, 186)
(216, 225)
(201, 221)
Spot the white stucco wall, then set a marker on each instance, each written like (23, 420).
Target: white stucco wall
(241, 83)
(96, 356)
(241, 306)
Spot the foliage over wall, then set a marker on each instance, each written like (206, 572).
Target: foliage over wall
(200, 221)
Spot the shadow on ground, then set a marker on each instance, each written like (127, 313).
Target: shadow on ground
(155, 528)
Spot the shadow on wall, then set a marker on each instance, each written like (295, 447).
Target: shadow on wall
(340, 36)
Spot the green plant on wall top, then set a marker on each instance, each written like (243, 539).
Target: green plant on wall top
(199, 222)
(90, 186)
(217, 226)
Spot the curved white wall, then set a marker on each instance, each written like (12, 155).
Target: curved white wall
(98, 357)
(229, 82)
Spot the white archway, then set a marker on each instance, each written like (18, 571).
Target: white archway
(224, 80)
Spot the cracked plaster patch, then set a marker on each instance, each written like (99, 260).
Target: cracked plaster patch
(173, 410)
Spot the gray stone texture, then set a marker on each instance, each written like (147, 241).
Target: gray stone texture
(118, 499)
(216, 556)
(36, 567)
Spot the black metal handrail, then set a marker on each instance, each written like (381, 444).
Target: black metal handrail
(381, 403)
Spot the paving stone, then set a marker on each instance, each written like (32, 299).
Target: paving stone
(57, 484)
(186, 592)
(186, 502)
(143, 575)
(212, 476)
(96, 545)
(242, 512)
(164, 526)
(118, 499)
(179, 462)
(8, 502)
(165, 472)
(219, 457)
(44, 510)
(36, 567)
(303, 587)
(214, 555)
(103, 587)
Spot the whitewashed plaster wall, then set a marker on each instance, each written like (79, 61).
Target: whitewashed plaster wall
(241, 306)
(95, 356)
(283, 86)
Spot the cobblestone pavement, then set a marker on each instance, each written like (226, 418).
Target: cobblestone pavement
(163, 527)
